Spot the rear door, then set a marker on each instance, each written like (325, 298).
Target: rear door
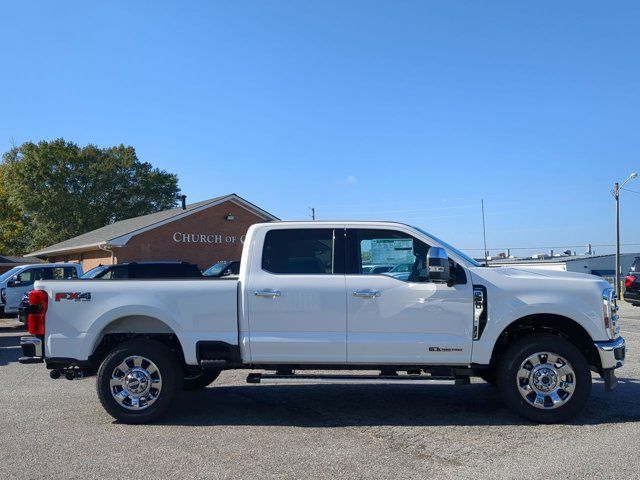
(397, 316)
(295, 297)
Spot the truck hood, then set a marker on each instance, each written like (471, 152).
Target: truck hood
(537, 274)
(518, 278)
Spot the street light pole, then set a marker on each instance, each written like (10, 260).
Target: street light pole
(616, 196)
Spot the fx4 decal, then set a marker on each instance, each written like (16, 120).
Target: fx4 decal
(75, 296)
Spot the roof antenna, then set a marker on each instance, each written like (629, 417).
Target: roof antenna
(484, 235)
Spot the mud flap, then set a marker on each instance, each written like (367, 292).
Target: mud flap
(610, 379)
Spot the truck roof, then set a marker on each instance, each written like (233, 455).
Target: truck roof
(334, 222)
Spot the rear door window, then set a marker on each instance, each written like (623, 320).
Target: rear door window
(70, 272)
(62, 273)
(299, 251)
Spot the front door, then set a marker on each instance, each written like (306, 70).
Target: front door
(24, 284)
(295, 298)
(396, 317)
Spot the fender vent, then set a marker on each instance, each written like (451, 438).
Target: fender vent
(480, 310)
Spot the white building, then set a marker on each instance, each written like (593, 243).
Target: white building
(602, 265)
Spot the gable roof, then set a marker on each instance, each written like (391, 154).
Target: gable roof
(11, 260)
(119, 233)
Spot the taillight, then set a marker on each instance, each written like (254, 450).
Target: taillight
(629, 280)
(38, 301)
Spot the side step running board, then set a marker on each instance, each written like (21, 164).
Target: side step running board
(302, 378)
(213, 364)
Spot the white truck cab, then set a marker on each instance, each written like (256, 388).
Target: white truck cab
(304, 300)
(20, 280)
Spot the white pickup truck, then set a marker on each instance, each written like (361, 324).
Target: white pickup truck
(303, 302)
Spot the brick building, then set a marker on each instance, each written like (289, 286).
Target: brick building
(202, 233)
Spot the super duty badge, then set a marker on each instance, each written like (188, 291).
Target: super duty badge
(444, 349)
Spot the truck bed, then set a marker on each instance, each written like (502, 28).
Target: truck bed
(80, 312)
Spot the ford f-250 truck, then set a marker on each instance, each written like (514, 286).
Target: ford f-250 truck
(303, 302)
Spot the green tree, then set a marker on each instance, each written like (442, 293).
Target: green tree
(52, 191)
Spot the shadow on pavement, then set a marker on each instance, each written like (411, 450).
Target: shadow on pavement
(16, 327)
(326, 405)
(10, 349)
(368, 405)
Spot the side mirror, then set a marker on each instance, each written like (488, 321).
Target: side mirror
(14, 282)
(438, 265)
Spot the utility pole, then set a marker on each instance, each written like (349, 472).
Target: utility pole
(313, 213)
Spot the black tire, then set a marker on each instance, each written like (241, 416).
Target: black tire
(168, 368)
(518, 352)
(200, 380)
(489, 376)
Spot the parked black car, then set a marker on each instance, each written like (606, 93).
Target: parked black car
(141, 270)
(225, 268)
(632, 284)
(137, 270)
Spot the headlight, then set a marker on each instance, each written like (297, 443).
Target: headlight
(610, 312)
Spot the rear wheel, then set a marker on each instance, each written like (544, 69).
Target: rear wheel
(138, 380)
(544, 378)
(200, 380)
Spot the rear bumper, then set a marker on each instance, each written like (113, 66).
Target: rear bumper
(612, 354)
(632, 296)
(31, 350)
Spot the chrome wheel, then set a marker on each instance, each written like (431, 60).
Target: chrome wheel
(546, 380)
(135, 383)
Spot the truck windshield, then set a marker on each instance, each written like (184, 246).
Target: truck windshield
(94, 272)
(8, 274)
(451, 249)
(215, 269)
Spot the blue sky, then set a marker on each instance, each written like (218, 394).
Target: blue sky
(407, 110)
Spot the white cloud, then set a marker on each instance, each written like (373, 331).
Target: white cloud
(351, 180)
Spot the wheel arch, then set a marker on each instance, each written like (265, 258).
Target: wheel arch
(128, 327)
(547, 323)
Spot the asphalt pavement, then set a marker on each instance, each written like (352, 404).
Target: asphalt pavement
(234, 430)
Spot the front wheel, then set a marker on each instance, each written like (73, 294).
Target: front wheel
(544, 378)
(488, 376)
(138, 380)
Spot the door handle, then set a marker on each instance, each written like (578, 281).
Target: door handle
(268, 293)
(367, 293)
